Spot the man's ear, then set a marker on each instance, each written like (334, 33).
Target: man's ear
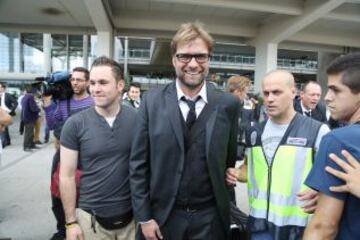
(121, 85)
(173, 60)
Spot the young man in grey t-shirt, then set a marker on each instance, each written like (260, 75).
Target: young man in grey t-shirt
(99, 141)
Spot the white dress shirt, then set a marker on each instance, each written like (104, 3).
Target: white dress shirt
(199, 105)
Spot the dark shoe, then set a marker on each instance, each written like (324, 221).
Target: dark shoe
(38, 142)
(28, 150)
(46, 140)
(58, 236)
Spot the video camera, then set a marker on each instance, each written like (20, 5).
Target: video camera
(57, 84)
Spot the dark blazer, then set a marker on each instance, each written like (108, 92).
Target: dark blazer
(319, 113)
(157, 158)
(11, 103)
(30, 110)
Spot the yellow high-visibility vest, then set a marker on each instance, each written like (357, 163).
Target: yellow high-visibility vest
(273, 189)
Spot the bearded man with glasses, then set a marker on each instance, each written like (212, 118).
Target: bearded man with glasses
(184, 141)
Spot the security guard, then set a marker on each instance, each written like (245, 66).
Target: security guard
(279, 154)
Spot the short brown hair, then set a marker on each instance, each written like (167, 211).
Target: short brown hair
(83, 70)
(188, 32)
(115, 66)
(238, 82)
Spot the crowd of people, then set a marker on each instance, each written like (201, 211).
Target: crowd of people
(162, 166)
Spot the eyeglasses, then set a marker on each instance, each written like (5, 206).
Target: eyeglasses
(186, 58)
(77, 80)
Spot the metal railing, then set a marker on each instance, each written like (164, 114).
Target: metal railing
(227, 60)
(136, 56)
(248, 62)
(147, 82)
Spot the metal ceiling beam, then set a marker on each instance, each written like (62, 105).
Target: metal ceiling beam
(31, 28)
(280, 6)
(99, 15)
(343, 17)
(329, 38)
(282, 28)
(145, 22)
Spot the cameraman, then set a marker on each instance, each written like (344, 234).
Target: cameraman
(56, 114)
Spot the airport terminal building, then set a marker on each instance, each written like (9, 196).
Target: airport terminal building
(252, 36)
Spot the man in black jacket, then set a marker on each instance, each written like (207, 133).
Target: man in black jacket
(8, 103)
(185, 138)
(309, 103)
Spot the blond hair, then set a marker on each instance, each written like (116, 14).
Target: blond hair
(238, 82)
(188, 32)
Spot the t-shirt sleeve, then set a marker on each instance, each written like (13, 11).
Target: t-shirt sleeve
(324, 129)
(69, 135)
(318, 178)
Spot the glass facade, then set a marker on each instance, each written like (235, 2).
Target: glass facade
(9, 52)
(24, 52)
(32, 52)
(59, 52)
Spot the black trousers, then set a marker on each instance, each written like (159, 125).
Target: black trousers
(204, 224)
(29, 135)
(57, 206)
(59, 214)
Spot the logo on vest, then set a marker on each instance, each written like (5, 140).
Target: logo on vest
(253, 137)
(296, 141)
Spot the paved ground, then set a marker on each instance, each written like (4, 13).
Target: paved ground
(25, 204)
(25, 212)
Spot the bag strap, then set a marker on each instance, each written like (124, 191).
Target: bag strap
(68, 107)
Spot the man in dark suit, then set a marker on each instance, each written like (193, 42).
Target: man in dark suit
(8, 103)
(185, 139)
(309, 102)
(29, 115)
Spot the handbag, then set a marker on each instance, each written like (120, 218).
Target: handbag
(55, 182)
(55, 178)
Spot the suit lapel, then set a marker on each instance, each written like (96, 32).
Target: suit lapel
(173, 112)
(210, 125)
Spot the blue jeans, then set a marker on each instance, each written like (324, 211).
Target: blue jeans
(261, 236)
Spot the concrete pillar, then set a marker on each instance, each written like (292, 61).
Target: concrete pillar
(21, 54)
(324, 59)
(126, 56)
(67, 53)
(85, 51)
(105, 42)
(265, 61)
(11, 52)
(47, 42)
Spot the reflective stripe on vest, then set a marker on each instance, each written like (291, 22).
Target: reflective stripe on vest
(290, 167)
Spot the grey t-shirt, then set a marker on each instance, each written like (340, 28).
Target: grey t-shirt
(274, 132)
(104, 154)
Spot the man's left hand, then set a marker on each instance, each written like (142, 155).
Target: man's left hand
(309, 197)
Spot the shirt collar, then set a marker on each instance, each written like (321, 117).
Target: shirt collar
(304, 108)
(202, 93)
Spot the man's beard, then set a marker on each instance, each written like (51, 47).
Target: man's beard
(193, 84)
(80, 92)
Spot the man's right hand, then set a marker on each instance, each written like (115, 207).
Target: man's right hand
(74, 233)
(47, 100)
(232, 175)
(151, 230)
